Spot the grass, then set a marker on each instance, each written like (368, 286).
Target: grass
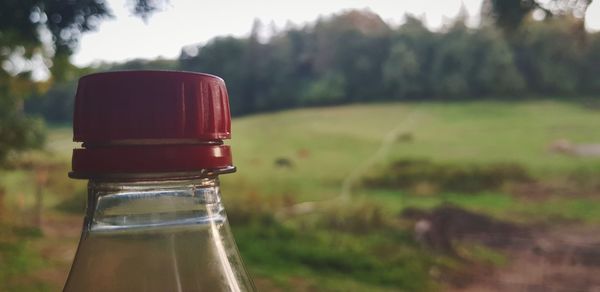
(18, 260)
(504, 131)
(378, 259)
(500, 205)
(358, 246)
(339, 139)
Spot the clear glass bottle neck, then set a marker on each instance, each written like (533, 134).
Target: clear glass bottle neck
(127, 206)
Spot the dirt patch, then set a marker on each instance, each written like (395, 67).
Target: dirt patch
(540, 191)
(576, 185)
(440, 227)
(565, 258)
(549, 258)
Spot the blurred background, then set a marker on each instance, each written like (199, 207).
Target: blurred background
(380, 145)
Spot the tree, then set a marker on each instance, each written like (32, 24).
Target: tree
(494, 72)
(325, 91)
(222, 56)
(550, 55)
(453, 64)
(408, 66)
(55, 105)
(36, 35)
(354, 44)
(509, 14)
(402, 72)
(591, 74)
(17, 131)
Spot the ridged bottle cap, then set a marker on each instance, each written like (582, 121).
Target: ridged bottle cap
(150, 121)
(134, 105)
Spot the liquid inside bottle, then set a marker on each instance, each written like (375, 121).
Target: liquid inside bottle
(157, 236)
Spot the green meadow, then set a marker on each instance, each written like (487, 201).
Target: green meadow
(350, 237)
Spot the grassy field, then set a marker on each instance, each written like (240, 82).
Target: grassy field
(356, 244)
(325, 145)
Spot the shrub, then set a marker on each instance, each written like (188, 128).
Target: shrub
(448, 177)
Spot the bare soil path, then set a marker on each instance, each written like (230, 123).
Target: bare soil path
(565, 258)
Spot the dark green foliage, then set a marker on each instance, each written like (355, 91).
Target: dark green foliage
(357, 219)
(402, 72)
(224, 57)
(56, 105)
(327, 90)
(462, 178)
(357, 241)
(66, 20)
(470, 62)
(356, 57)
(372, 257)
(22, 27)
(551, 55)
(510, 14)
(591, 67)
(336, 60)
(17, 259)
(18, 132)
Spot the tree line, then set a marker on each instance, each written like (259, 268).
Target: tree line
(357, 57)
(318, 64)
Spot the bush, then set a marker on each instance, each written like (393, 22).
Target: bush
(17, 258)
(466, 178)
(368, 258)
(356, 219)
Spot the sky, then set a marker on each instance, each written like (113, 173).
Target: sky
(186, 22)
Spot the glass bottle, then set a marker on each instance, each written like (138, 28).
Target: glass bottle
(152, 152)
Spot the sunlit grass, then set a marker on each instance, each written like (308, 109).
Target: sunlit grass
(324, 145)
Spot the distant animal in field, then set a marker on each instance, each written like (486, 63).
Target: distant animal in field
(564, 146)
(404, 137)
(303, 153)
(255, 161)
(283, 162)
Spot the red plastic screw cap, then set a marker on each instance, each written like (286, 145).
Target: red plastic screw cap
(134, 105)
(149, 122)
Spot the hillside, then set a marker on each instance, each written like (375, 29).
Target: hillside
(326, 144)
(322, 194)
